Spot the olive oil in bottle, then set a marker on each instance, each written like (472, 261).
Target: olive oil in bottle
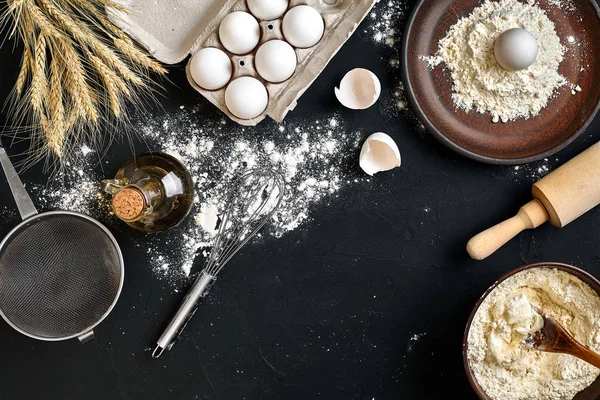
(151, 192)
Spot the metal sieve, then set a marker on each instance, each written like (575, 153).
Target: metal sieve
(61, 272)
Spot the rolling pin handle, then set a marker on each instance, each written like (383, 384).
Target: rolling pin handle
(531, 215)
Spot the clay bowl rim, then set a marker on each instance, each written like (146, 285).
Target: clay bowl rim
(439, 135)
(578, 272)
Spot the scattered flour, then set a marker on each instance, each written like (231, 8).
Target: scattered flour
(85, 150)
(384, 22)
(566, 5)
(314, 158)
(74, 188)
(532, 172)
(385, 26)
(208, 218)
(317, 158)
(413, 340)
(478, 80)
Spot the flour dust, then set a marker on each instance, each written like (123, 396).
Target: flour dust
(384, 28)
(385, 22)
(316, 157)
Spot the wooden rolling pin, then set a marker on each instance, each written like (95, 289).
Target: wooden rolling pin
(560, 197)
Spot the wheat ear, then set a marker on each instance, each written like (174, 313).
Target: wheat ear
(85, 35)
(56, 109)
(76, 83)
(77, 69)
(136, 55)
(15, 4)
(39, 82)
(121, 41)
(26, 67)
(112, 60)
(112, 4)
(114, 84)
(38, 18)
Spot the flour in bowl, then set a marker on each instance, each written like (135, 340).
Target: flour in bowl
(480, 83)
(504, 367)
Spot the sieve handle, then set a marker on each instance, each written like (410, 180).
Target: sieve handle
(86, 337)
(186, 311)
(24, 203)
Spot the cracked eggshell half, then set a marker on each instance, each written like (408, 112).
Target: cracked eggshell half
(379, 153)
(359, 89)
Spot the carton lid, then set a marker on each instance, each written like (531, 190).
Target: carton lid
(168, 29)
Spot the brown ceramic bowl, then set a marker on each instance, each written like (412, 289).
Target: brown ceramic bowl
(592, 392)
(473, 134)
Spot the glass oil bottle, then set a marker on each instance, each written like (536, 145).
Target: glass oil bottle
(151, 192)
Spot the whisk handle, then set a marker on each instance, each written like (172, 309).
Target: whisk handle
(186, 311)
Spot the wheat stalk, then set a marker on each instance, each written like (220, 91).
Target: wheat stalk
(84, 34)
(113, 83)
(78, 68)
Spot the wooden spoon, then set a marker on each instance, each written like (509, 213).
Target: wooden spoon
(553, 338)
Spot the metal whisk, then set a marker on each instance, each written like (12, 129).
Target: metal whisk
(253, 201)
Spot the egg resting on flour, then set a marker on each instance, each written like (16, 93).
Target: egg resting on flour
(516, 49)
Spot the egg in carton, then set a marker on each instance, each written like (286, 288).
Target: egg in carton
(172, 29)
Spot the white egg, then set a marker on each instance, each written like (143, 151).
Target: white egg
(303, 26)
(239, 32)
(246, 97)
(275, 61)
(516, 49)
(211, 68)
(268, 9)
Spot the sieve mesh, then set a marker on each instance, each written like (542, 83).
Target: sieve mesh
(60, 273)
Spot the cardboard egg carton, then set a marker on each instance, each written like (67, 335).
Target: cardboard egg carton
(173, 29)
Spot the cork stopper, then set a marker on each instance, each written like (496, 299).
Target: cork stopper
(128, 204)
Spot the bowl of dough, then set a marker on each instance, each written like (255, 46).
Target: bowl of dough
(499, 365)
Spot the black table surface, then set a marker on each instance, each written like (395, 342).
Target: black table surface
(370, 298)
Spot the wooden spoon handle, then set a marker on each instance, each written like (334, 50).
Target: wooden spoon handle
(531, 215)
(582, 352)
